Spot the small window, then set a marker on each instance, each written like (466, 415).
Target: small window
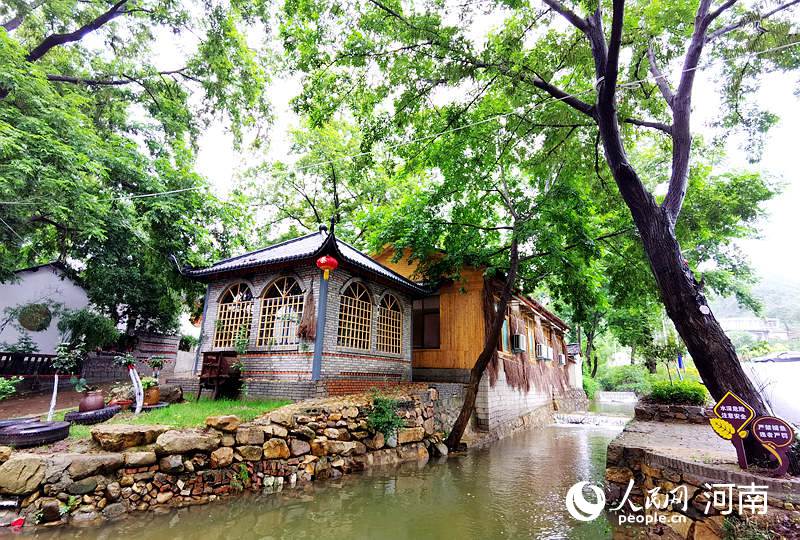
(355, 318)
(390, 326)
(505, 341)
(426, 323)
(234, 314)
(531, 340)
(281, 308)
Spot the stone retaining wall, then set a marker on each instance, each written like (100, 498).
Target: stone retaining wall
(137, 468)
(656, 469)
(656, 412)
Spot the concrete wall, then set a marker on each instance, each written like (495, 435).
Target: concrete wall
(501, 404)
(44, 283)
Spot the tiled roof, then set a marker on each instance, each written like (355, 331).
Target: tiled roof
(305, 247)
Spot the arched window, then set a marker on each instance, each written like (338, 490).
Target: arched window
(281, 309)
(390, 326)
(234, 314)
(355, 317)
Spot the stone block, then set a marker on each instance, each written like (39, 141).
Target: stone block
(221, 457)
(21, 474)
(227, 422)
(186, 441)
(116, 437)
(409, 435)
(276, 449)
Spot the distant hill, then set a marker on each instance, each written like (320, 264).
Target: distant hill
(780, 296)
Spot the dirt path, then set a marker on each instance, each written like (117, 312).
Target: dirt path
(39, 403)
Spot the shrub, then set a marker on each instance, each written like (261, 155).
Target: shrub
(625, 379)
(679, 393)
(8, 386)
(187, 342)
(590, 386)
(148, 383)
(95, 329)
(383, 416)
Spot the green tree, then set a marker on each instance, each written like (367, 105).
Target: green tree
(91, 127)
(378, 52)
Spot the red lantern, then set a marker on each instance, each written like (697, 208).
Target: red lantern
(327, 264)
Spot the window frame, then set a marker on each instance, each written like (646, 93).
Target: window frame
(271, 305)
(419, 314)
(358, 314)
(389, 325)
(225, 338)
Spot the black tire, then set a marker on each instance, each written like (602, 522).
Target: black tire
(159, 405)
(33, 434)
(92, 417)
(15, 421)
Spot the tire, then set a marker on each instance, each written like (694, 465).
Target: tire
(14, 421)
(33, 434)
(92, 417)
(159, 405)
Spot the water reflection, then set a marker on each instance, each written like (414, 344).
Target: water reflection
(512, 489)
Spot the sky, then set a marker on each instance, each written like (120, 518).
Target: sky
(776, 252)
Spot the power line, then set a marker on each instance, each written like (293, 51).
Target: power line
(122, 197)
(627, 84)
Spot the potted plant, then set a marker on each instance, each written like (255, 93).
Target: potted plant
(151, 392)
(120, 394)
(68, 355)
(128, 361)
(156, 362)
(92, 399)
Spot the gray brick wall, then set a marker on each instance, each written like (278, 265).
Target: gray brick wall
(293, 362)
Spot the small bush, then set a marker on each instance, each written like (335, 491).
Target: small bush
(625, 379)
(590, 386)
(679, 393)
(383, 416)
(8, 386)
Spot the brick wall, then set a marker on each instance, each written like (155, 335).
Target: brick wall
(100, 367)
(293, 362)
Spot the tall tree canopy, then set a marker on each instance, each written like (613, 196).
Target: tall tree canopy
(588, 77)
(93, 123)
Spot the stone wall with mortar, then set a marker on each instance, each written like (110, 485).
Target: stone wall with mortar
(139, 468)
(657, 412)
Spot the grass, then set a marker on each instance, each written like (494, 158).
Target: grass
(189, 414)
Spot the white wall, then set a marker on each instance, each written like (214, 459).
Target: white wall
(36, 286)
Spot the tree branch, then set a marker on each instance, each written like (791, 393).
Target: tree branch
(661, 79)
(54, 40)
(574, 19)
(111, 82)
(747, 19)
(682, 108)
(660, 126)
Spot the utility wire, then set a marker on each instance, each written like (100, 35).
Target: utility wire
(627, 84)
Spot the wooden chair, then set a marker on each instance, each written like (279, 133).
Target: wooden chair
(215, 372)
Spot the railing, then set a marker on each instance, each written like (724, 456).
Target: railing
(26, 364)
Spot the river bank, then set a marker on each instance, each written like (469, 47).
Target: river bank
(513, 488)
(150, 468)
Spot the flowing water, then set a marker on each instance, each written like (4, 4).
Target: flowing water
(515, 488)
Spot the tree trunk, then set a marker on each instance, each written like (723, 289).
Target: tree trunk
(711, 350)
(489, 347)
(633, 355)
(650, 364)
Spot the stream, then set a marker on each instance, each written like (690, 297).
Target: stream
(514, 488)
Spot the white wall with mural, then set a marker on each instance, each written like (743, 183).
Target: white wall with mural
(38, 289)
